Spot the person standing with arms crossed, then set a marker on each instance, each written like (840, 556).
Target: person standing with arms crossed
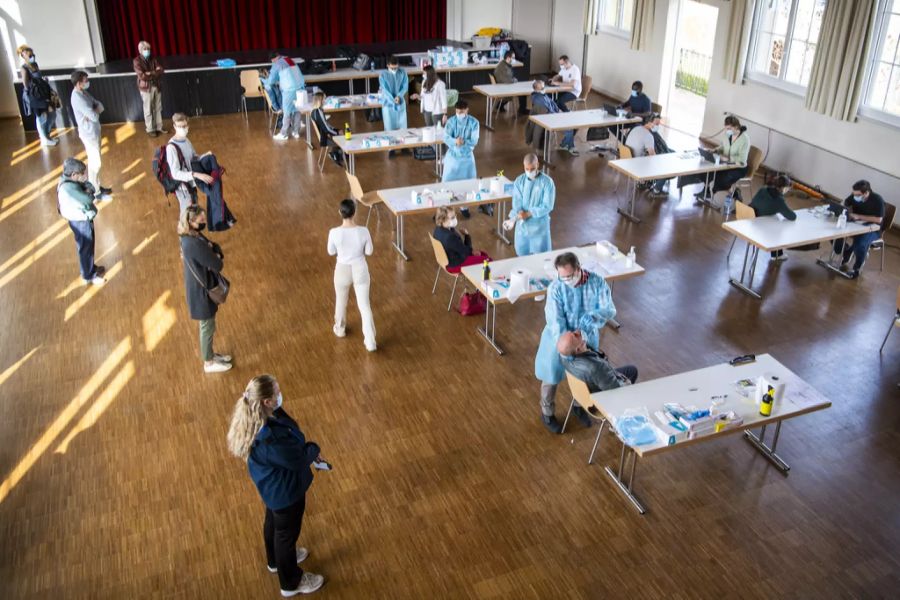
(87, 117)
(279, 460)
(149, 79)
(577, 301)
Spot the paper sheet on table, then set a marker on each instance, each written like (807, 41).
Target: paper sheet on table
(518, 284)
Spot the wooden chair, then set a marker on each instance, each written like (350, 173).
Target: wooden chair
(890, 211)
(582, 395)
(754, 160)
(273, 114)
(741, 211)
(624, 152)
(586, 82)
(440, 255)
(370, 200)
(323, 149)
(656, 108)
(252, 88)
(895, 322)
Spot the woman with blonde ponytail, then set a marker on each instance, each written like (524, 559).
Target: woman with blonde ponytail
(279, 460)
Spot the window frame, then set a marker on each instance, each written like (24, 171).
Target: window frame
(619, 29)
(879, 35)
(779, 82)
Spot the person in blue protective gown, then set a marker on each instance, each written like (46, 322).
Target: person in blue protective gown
(461, 137)
(577, 301)
(393, 85)
(287, 75)
(534, 195)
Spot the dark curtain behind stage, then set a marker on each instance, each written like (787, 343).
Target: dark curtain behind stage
(184, 27)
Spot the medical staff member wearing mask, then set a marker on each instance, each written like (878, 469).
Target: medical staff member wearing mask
(393, 85)
(149, 80)
(461, 136)
(287, 75)
(577, 301)
(534, 195)
(279, 460)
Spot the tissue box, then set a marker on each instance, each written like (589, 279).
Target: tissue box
(481, 42)
(428, 134)
(496, 186)
(449, 58)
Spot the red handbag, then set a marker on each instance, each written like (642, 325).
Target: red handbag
(472, 303)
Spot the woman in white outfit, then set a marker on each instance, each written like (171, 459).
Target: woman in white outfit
(351, 244)
(434, 98)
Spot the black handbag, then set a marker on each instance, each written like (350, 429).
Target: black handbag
(362, 62)
(424, 153)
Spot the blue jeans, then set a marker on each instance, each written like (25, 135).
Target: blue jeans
(858, 246)
(564, 98)
(569, 139)
(84, 242)
(218, 217)
(45, 121)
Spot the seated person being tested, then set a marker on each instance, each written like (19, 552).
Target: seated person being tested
(642, 142)
(592, 367)
(457, 243)
(863, 206)
(638, 103)
(770, 201)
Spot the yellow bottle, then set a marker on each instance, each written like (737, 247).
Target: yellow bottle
(347, 133)
(765, 405)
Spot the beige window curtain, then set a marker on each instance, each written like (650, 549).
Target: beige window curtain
(591, 16)
(642, 24)
(839, 68)
(738, 39)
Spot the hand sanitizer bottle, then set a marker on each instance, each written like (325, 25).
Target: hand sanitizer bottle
(631, 258)
(842, 220)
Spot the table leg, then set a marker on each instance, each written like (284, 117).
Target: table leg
(352, 164)
(613, 322)
(547, 161)
(501, 209)
(747, 287)
(829, 264)
(626, 489)
(308, 130)
(702, 200)
(490, 324)
(351, 86)
(489, 118)
(399, 244)
(758, 442)
(630, 214)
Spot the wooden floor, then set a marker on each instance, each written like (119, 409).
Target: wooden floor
(115, 481)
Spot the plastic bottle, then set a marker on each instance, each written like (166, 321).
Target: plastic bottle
(765, 405)
(486, 271)
(631, 258)
(347, 133)
(729, 204)
(842, 220)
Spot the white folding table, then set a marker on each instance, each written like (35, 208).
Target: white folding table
(698, 388)
(493, 92)
(770, 234)
(347, 104)
(399, 201)
(577, 119)
(399, 139)
(540, 266)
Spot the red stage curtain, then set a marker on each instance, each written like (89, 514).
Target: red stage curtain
(184, 27)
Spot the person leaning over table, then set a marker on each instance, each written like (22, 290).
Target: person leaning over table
(278, 461)
(576, 301)
(38, 97)
(202, 260)
(539, 98)
(770, 201)
(592, 367)
(433, 98)
(289, 78)
(457, 243)
(734, 150)
(863, 206)
(503, 73)
(149, 80)
(534, 196)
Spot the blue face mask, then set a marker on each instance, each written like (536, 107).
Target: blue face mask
(32, 59)
(858, 198)
(655, 128)
(634, 93)
(145, 54)
(87, 84)
(729, 132)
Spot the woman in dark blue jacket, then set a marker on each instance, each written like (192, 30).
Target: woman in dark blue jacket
(279, 460)
(457, 244)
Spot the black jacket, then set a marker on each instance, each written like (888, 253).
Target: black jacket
(205, 258)
(327, 131)
(457, 248)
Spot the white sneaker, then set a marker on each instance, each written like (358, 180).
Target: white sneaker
(296, 135)
(223, 358)
(339, 331)
(280, 137)
(95, 280)
(371, 347)
(302, 553)
(216, 367)
(50, 143)
(309, 583)
(539, 298)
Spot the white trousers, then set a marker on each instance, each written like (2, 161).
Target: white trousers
(92, 149)
(357, 276)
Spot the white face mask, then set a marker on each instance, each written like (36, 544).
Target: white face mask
(532, 174)
(392, 69)
(278, 401)
(453, 222)
(182, 131)
(571, 281)
(655, 128)
(86, 85)
(729, 133)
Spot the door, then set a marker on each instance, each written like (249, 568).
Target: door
(532, 21)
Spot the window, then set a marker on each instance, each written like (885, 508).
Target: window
(883, 86)
(785, 40)
(615, 16)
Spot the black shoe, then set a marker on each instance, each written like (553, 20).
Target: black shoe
(853, 274)
(487, 209)
(551, 423)
(391, 154)
(524, 111)
(582, 416)
(99, 270)
(465, 213)
(105, 190)
(502, 108)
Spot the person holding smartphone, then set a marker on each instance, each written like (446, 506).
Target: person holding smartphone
(279, 459)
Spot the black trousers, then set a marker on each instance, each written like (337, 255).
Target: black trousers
(218, 217)
(629, 371)
(724, 179)
(281, 530)
(523, 103)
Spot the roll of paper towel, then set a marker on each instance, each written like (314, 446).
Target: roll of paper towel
(428, 134)
(518, 284)
(302, 97)
(496, 186)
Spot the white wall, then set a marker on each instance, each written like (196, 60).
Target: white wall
(614, 66)
(568, 27)
(468, 16)
(58, 31)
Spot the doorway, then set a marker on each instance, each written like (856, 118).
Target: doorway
(691, 61)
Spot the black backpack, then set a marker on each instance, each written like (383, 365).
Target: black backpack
(160, 167)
